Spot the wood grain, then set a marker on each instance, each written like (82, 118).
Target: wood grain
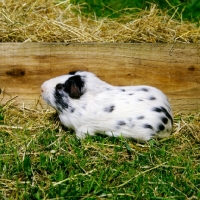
(175, 69)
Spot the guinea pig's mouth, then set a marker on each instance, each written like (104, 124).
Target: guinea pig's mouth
(52, 104)
(46, 98)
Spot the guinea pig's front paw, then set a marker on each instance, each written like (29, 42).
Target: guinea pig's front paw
(82, 132)
(80, 135)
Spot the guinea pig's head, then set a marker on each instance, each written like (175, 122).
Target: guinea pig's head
(59, 91)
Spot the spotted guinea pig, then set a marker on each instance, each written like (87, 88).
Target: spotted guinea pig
(89, 106)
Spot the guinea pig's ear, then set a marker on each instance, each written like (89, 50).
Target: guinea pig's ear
(74, 86)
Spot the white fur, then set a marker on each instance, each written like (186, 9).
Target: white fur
(132, 115)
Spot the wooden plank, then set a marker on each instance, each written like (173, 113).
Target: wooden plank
(175, 69)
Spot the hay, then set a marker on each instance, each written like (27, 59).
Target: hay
(48, 21)
(37, 119)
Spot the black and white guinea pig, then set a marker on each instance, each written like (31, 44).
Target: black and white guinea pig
(89, 105)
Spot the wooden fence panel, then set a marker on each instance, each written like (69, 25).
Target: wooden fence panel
(175, 69)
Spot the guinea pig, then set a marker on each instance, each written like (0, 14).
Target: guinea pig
(89, 105)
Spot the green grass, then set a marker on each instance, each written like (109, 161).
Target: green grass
(186, 9)
(40, 159)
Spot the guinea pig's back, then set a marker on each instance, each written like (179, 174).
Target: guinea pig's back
(139, 112)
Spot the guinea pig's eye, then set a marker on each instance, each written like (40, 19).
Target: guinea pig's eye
(59, 86)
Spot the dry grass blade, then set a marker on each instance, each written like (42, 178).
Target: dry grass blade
(39, 147)
(22, 118)
(48, 21)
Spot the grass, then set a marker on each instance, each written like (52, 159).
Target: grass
(40, 159)
(187, 9)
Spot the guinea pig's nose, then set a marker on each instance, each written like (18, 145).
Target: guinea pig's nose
(43, 88)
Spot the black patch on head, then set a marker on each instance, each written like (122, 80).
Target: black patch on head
(162, 109)
(74, 86)
(73, 72)
(148, 126)
(152, 98)
(161, 127)
(143, 89)
(121, 123)
(109, 109)
(123, 90)
(140, 117)
(59, 101)
(164, 120)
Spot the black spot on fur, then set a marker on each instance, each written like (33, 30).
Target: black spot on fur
(167, 114)
(71, 110)
(123, 90)
(121, 123)
(143, 89)
(60, 101)
(130, 119)
(109, 109)
(73, 72)
(148, 126)
(161, 127)
(131, 94)
(162, 109)
(157, 109)
(164, 120)
(152, 98)
(140, 99)
(140, 117)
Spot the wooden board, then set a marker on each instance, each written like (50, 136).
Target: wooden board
(175, 69)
